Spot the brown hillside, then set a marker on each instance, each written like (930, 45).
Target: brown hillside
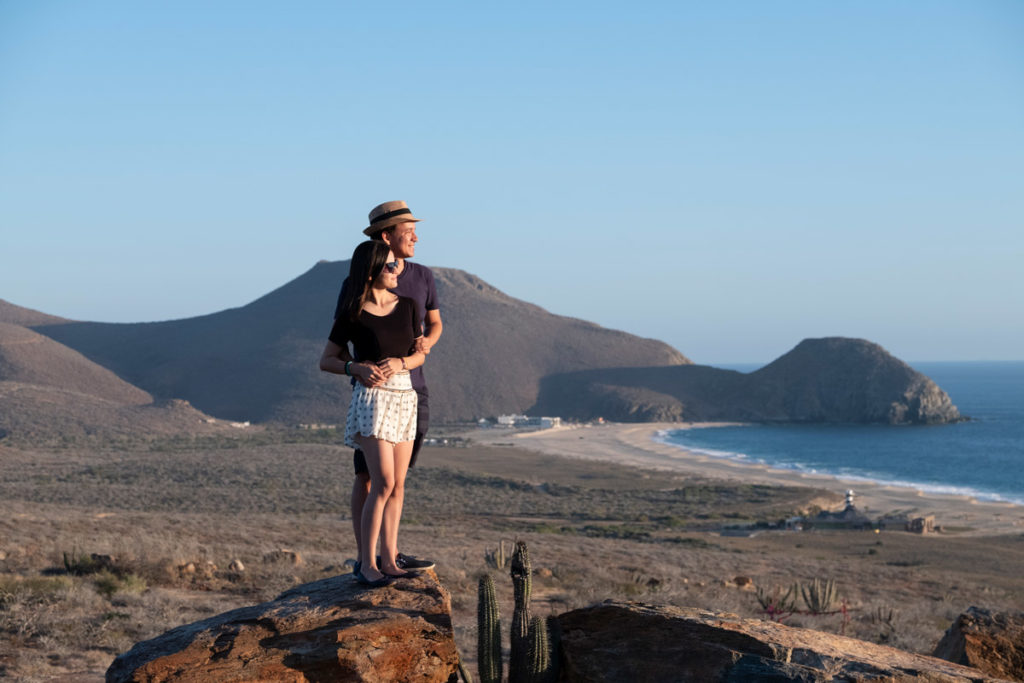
(47, 415)
(259, 362)
(28, 357)
(18, 315)
(821, 380)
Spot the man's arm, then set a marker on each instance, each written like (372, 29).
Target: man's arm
(432, 331)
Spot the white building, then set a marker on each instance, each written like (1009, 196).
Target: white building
(525, 421)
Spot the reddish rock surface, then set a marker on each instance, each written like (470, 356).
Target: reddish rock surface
(619, 641)
(990, 641)
(330, 630)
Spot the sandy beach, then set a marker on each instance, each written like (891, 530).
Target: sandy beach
(636, 444)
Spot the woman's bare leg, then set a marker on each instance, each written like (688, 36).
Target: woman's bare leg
(393, 510)
(360, 490)
(380, 460)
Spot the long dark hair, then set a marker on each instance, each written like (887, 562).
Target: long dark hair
(367, 261)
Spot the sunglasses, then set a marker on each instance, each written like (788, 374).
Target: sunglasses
(391, 267)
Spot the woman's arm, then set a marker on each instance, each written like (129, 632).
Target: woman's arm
(335, 357)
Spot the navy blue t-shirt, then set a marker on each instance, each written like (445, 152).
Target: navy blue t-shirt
(415, 282)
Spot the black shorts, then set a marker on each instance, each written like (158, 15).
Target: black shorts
(422, 422)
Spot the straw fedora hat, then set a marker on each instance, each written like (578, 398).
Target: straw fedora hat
(383, 216)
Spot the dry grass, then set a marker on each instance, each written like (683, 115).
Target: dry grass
(595, 531)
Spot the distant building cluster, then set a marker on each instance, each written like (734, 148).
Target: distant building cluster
(852, 518)
(509, 421)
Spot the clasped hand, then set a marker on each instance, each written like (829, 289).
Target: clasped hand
(374, 374)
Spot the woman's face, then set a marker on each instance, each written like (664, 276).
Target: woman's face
(387, 278)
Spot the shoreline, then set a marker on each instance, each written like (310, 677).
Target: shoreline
(637, 444)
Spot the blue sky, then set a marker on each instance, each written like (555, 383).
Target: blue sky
(727, 177)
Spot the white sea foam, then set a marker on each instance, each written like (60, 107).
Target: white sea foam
(670, 438)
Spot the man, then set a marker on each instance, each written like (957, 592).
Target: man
(394, 224)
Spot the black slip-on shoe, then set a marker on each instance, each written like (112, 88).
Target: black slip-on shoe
(379, 583)
(410, 562)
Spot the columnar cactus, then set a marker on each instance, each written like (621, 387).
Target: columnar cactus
(522, 584)
(533, 658)
(540, 652)
(489, 630)
(497, 558)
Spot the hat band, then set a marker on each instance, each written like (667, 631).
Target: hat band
(390, 214)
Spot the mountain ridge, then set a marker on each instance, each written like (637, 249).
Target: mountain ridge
(259, 361)
(498, 355)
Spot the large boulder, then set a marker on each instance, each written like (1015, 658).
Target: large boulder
(990, 641)
(624, 641)
(329, 630)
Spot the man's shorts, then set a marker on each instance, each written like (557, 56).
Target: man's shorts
(422, 423)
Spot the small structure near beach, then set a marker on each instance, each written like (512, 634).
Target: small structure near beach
(848, 518)
(922, 525)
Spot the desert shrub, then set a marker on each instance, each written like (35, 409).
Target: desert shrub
(78, 563)
(108, 583)
(14, 587)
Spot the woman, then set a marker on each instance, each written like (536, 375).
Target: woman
(383, 328)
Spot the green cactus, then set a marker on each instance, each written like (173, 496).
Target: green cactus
(522, 585)
(489, 663)
(819, 597)
(497, 558)
(533, 657)
(542, 663)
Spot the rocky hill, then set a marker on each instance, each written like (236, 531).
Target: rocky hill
(50, 393)
(833, 379)
(17, 315)
(259, 362)
(28, 357)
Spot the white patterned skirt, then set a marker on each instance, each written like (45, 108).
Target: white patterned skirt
(386, 412)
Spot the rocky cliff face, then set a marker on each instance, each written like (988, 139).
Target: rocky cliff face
(618, 641)
(821, 380)
(330, 630)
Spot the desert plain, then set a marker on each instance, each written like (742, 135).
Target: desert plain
(105, 543)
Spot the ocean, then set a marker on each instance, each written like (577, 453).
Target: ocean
(983, 457)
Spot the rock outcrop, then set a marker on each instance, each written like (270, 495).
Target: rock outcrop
(836, 379)
(821, 380)
(618, 641)
(992, 642)
(330, 630)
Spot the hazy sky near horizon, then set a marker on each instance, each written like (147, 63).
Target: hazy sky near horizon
(727, 177)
